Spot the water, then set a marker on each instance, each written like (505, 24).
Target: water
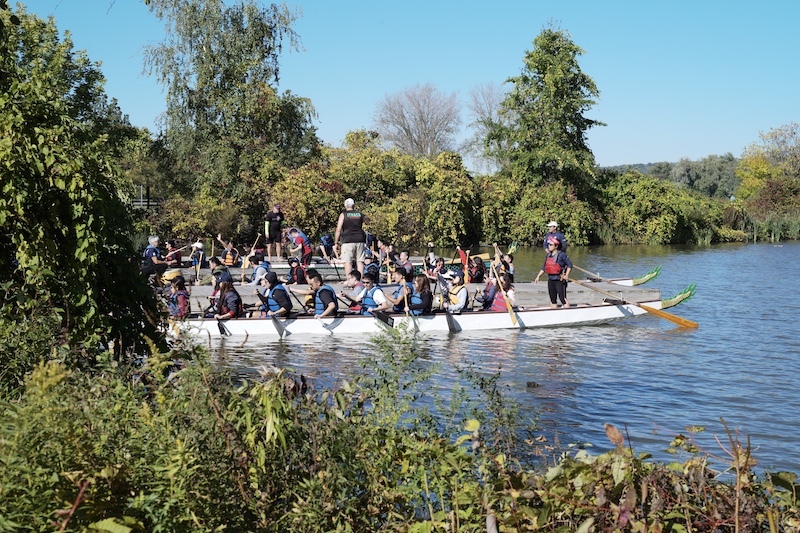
(645, 374)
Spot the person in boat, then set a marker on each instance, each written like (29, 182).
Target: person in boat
(230, 255)
(457, 295)
(297, 274)
(217, 268)
(386, 253)
(229, 302)
(435, 268)
(260, 267)
(557, 266)
(276, 295)
(199, 260)
(353, 282)
(350, 233)
(504, 263)
(552, 231)
(324, 297)
(272, 229)
(326, 248)
(477, 270)
(420, 301)
(496, 301)
(372, 297)
(404, 263)
(300, 246)
(371, 267)
(399, 299)
(152, 260)
(178, 303)
(173, 257)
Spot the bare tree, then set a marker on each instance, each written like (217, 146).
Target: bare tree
(484, 111)
(419, 120)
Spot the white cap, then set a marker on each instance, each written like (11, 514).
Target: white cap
(349, 203)
(198, 245)
(552, 223)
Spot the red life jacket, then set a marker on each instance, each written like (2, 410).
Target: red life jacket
(551, 267)
(499, 303)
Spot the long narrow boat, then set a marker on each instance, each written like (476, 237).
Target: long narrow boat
(539, 317)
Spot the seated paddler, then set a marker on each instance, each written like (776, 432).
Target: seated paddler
(399, 298)
(325, 303)
(275, 297)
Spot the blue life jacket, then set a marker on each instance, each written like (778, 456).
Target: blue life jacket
(368, 300)
(319, 307)
(273, 305)
(415, 299)
(327, 241)
(174, 306)
(401, 305)
(306, 240)
(373, 269)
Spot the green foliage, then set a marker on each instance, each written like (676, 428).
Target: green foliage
(644, 209)
(546, 107)
(64, 243)
(557, 200)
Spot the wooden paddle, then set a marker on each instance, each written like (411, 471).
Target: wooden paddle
(505, 297)
(595, 276)
(683, 322)
(246, 260)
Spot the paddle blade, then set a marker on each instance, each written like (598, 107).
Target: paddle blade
(682, 322)
(278, 326)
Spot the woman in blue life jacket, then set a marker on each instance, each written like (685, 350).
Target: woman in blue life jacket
(179, 305)
(421, 299)
(557, 266)
(399, 298)
(275, 297)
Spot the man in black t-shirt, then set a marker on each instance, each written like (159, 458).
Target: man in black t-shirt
(272, 229)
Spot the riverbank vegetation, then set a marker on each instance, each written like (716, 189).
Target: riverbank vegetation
(168, 448)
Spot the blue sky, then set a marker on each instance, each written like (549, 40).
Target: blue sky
(676, 79)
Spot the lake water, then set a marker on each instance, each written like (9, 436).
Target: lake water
(645, 374)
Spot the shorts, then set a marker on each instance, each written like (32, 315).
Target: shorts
(353, 251)
(274, 238)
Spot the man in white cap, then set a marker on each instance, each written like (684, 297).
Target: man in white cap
(552, 231)
(351, 235)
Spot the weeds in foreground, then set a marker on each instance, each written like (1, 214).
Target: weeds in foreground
(170, 449)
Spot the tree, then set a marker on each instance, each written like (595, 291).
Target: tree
(545, 139)
(420, 120)
(484, 111)
(64, 232)
(224, 112)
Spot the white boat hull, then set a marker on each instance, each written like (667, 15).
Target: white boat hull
(468, 321)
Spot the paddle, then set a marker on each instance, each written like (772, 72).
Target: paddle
(279, 327)
(683, 322)
(223, 330)
(505, 297)
(246, 260)
(452, 326)
(384, 317)
(593, 275)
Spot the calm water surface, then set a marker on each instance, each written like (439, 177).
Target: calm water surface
(646, 374)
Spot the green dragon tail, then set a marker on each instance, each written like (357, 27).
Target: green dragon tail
(653, 274)
(682, 296)
(513, 247)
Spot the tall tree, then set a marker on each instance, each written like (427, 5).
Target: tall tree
(220, 65)
(419, 120)
(484, 111)
(545, 139)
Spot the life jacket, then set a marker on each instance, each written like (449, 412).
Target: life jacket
(306, 240)
(401, 305)
(499, 302)
(551, 266)
(230, 257)
(273, 305)
(453, 291)
(415, 299)
(297, 274)
(199, 258)
(175, 306)
(319, 307)
(373, 269)
(147, 260)
(369, 301)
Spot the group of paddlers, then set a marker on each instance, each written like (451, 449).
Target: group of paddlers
(362, 257)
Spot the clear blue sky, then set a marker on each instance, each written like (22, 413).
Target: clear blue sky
(677, 79)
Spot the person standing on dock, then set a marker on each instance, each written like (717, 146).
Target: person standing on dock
(272, 229)
(557, 266)
(350, 233)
